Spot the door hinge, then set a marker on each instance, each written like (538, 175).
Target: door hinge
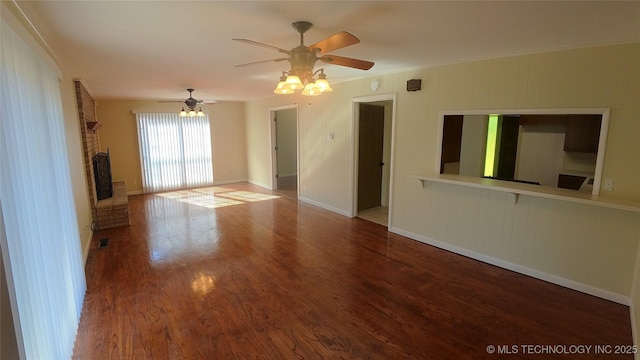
(275, 148)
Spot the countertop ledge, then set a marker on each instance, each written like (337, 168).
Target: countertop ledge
(516, 189)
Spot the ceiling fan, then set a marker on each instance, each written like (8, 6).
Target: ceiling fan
(191, 104)
(303, 58)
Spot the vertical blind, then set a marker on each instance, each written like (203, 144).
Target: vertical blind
(175, 152)
(41, 245)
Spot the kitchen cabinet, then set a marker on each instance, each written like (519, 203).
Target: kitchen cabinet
(582, 133)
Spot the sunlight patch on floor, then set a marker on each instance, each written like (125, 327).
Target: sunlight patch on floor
(216, 197)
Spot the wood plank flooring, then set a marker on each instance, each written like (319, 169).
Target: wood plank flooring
(197, 277)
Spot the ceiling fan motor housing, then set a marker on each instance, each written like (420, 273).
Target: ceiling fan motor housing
(191, 102)
(302, 61)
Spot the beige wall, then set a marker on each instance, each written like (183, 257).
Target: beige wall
(119, 134)
(590, 248)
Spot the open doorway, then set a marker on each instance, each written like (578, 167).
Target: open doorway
(285, 150)
(374, 125)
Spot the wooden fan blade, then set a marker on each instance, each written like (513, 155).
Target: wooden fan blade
(345, 61)
(251, 42)
(335, 42)
(262, 62)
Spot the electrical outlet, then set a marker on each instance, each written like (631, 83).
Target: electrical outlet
(608, 184)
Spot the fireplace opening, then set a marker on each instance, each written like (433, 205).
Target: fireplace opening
(102, 175)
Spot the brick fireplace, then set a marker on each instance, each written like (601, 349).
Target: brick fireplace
(109, 212)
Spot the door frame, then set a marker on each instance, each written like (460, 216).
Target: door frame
(272, 144)
(355, 124)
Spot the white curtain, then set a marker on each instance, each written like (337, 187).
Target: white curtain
(41, 249)
(175, 152)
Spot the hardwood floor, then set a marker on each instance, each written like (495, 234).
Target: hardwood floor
(272, 278)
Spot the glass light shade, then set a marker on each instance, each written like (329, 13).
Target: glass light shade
(294, 82)
(322, 85)
(183, 113)
(200, 113)
(283, 89)
(192, 113)
(311, 90)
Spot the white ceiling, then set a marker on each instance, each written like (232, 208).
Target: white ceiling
(155, 49)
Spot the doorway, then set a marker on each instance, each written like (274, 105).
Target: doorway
(285, 150)
(372, 171)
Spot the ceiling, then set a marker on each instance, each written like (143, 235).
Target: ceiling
(153, 50)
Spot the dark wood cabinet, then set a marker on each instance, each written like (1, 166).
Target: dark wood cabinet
(508, 155)
(583, 133)
(543, 120)
(451, 140)
(572, 182)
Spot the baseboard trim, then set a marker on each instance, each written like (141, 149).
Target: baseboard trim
(260, 184)
(87, 246)
(227, 182)
(554, 279)
(324, 206)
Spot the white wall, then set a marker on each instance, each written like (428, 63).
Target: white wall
(540, 154)
(581, 246)
(473, 145)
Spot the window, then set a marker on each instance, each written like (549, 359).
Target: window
(175, 152)
(561, 148)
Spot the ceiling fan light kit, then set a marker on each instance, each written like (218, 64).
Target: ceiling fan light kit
(302, 58)
(191, 113)
(191, 103)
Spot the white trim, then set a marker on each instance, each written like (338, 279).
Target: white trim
(604, 128)
(325, 206)
(272, 144)
(18, 20)
(87, 246)
(554, 279)
(259, 184)
(353, 211)
(226, 182)
(84, 85)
